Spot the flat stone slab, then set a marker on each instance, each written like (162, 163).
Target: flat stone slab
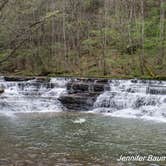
(11, 79)
(19, 79)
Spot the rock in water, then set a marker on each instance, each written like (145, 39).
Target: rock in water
(82, 93)
(156, 90)
(78, 102)
(11, 79)
(2, 90)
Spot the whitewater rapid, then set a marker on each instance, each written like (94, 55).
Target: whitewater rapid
(143, 99)
(31, 96)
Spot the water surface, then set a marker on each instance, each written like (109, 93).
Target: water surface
(77, 139)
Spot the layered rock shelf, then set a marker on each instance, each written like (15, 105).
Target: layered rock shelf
(82, 93)
(157, 90)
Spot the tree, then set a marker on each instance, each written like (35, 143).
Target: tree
(162, 32)
(83, 37)
(142, 38)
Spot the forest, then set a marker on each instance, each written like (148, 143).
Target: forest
(94, 38)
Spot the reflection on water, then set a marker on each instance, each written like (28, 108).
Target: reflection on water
(77, 139)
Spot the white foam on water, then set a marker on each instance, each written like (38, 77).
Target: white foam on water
(130, 99)
(55, 92)
(60, 82)
(79, 121)
(31, 96)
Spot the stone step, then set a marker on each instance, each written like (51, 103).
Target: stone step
(84, 87)
(19, 79)
(11, 79)
(78, 102)
(161, 90)
(82, 93)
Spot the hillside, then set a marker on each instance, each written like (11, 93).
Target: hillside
(110, 38)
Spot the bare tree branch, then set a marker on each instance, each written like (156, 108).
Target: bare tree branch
(33, 25)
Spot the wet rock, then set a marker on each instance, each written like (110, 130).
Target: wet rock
(130, 90)
(82, 93)
(18, 78)
(42, 79)
(134, 81)
(102, 81)
(86, 80)
(156, 90)
(99, 88)
(139, 102)
(2, 90)
(93, 80)
(77, 87)
(81, 87)
(78, 102)
(143, 101)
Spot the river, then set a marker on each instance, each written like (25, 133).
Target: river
(36, 130)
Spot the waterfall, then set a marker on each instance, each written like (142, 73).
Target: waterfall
(32, 96)
(143, 99)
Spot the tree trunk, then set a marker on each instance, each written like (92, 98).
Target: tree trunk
(162, 33)
(141, 56)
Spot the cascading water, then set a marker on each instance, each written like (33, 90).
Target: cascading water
(134, 99)
(126, 98)
(31, 96)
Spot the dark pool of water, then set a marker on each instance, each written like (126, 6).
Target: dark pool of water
(73, 139)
